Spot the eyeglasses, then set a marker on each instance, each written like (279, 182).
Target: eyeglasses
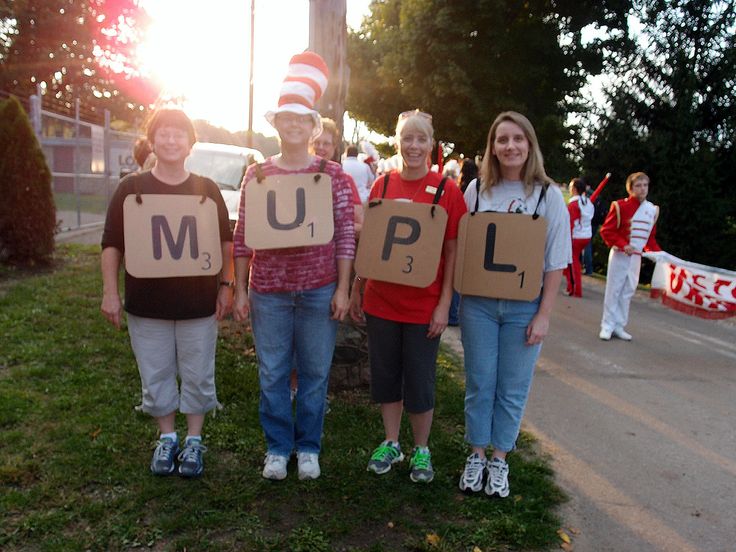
(407, 114)
(287, 118)
(165, 134)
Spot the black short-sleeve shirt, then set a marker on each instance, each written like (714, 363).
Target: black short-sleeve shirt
(180, 298)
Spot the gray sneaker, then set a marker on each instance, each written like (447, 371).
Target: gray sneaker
(190, 458)
(162, 462)
(387, 454)
(421, 466)
(472, 478)
(498, 478)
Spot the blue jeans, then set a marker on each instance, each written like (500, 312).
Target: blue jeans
(499, 366)
(588, 258)
(285, 326)
(453, 319)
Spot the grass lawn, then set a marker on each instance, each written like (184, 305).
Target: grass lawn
(74, 454)
(88, 203)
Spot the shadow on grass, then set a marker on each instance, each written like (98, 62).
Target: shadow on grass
(74, 454)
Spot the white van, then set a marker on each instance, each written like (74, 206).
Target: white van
(225, 164)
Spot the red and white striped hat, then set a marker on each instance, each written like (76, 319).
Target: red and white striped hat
(305, 82)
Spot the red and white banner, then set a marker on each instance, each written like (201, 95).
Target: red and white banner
(693, 288)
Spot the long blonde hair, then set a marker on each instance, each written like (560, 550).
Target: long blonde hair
(533, 171)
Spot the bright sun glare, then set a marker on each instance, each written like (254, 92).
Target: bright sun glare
(200, 51)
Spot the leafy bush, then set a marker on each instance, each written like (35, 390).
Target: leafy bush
(27, 212)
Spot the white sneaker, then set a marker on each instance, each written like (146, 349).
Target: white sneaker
(472, 478)
(622, 334)
(308, 465)
(498, 478)
(275, 467)
(605, 334)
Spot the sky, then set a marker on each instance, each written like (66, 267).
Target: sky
(204, 54)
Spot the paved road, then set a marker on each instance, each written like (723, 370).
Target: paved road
(89, 233)
(642, 435)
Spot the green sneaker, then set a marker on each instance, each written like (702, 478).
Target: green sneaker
(387, 454)
(421, 466)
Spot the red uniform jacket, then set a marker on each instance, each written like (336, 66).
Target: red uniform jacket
(616, 229)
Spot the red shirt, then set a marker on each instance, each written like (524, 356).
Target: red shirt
(402, 303)
(616, 229)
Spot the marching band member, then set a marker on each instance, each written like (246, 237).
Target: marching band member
(628, 230)
(581, 210)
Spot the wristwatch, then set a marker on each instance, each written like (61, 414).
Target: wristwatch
(227, 283)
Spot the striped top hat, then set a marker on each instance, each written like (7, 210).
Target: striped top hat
(305, 82)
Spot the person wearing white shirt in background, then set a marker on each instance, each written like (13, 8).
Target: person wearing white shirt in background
(361, 172)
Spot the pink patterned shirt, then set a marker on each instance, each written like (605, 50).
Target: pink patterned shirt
(300, 268)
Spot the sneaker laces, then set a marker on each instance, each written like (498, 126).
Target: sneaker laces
(192, 451)
(498, 474)
(307, 458)
(165, 449)
(475, 465)
(271, 458)
(384, 450)
(421, 459)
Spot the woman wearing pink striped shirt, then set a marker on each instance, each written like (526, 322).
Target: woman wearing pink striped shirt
(295, 296)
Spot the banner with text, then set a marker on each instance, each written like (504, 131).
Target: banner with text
(693, 288)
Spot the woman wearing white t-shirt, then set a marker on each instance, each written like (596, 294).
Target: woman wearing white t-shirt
(502, 338)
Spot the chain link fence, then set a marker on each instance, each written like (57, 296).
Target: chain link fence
(86, 159)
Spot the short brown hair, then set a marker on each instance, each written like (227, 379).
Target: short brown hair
(141, 150)
(633, 177)
(170, 117)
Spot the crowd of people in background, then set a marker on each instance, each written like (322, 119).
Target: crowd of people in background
(294, 297)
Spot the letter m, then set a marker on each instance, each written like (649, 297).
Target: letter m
(160, 226)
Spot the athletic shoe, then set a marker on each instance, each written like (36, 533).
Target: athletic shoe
(190, 458)
(274, 467)
(605, 334)
(472, 478)
(387, 454)
(498, 478)
(421, 466)
(622, 334)
(162, 462)
(308, 465)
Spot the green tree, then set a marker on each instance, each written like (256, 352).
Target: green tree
(75, 49)
(465, 61)
(671, 113)
(27, 212)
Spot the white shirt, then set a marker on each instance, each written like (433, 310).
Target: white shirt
(362, 175)
(582, 229)
(508, 196)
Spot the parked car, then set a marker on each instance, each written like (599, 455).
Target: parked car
(225, 164)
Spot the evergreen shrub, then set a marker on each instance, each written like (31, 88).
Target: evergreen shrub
(27, 210)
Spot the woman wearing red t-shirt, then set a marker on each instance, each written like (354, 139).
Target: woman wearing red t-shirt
(405, 323)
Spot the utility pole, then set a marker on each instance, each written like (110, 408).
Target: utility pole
(249, 136)
(328, 37)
